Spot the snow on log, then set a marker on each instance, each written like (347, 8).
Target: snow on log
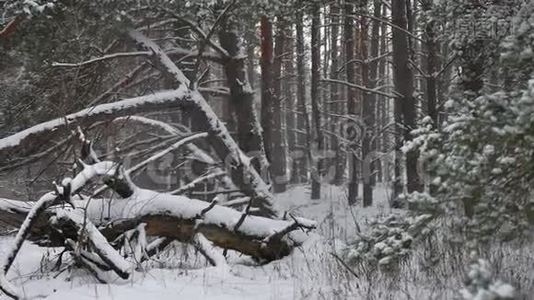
(179, 218)
(49, 199)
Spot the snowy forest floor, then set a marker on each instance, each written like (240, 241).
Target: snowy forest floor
(310, 272)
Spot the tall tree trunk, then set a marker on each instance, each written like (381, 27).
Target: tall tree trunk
(383, 104)
(430, 64)
(289, 101)
(251, 44)
(335, 104)
(369, 78)
(404, 80)
(315, 99)
(242, 97)
(380, 108)
(303, 120)
(266, 83)
(351, 100)
(367, 111)
(279, 144)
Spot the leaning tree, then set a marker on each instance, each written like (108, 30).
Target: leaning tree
(99, 214)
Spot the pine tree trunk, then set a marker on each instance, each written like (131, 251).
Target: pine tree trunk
(315, 100)
(279, 144)
(380, 108)
(303, 120)
(290, 102)
(369, 78)
(266, 84)
(351, 100)
(251, 44)
(242, 98)
(335, 105)
(431, 63)
(404, 81)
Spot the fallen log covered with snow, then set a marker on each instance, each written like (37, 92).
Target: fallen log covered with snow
(171, 216)
(90, 228)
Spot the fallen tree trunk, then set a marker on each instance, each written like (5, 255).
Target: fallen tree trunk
(170, 216)
(89, 227)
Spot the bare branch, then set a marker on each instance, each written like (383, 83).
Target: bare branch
(100, 59)
(173, 147)
(198, 180)
(194, 27)
(356, 86)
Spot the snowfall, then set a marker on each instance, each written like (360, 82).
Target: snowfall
(310, 272)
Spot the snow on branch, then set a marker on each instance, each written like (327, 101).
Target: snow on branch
(171, 52)
(70, 186)
(241, 170)
(160, 54)
(197, 153)
(63, 193)
(171, 148)
(24, 142)
(100, 59)
(204, 246)
(88, 261)
(197, 181)
(102, 247)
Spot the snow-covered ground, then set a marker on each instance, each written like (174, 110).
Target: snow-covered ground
(310, 272)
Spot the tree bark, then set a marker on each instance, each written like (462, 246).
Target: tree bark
(290, 105)
(431, 63)
(351, 100)
(267, 84)
(404, 80)
(304, 159)
(242, 97)
(368, 110)
(315, 100)
(380, 107)
(335, 106)
(279, 142)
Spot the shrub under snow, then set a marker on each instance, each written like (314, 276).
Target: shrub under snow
(480, 284)
(388, 240)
